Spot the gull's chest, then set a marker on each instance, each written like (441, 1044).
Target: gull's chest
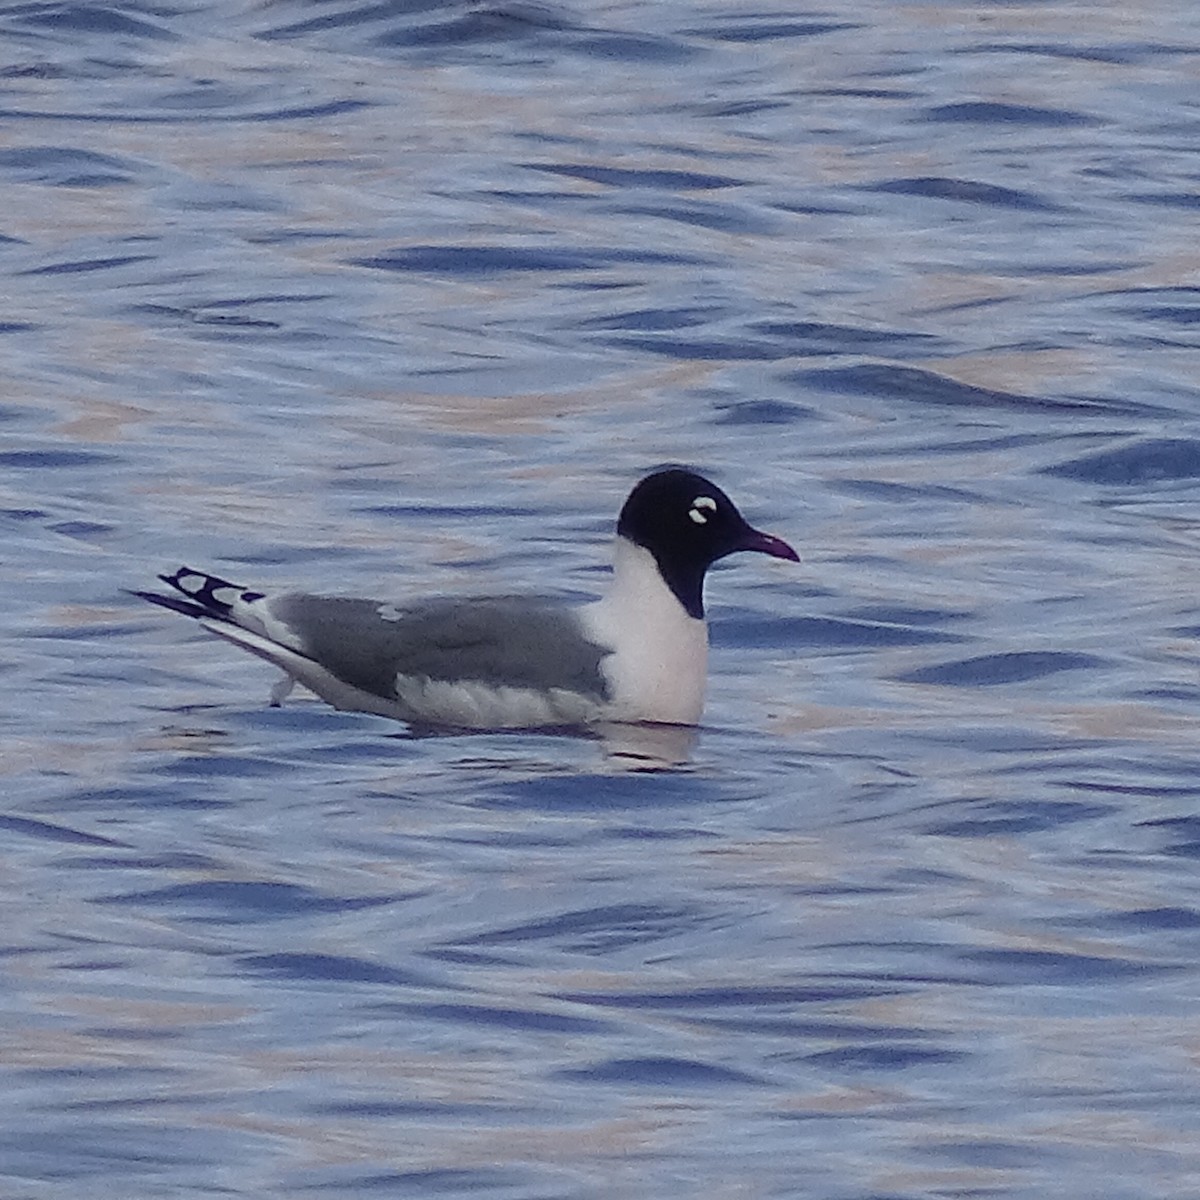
(658, 664)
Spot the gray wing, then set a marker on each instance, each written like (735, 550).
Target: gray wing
(502, 642)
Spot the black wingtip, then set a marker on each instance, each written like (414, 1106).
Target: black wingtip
(201, 588)
(187, 607)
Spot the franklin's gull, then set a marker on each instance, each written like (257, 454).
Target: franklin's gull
(510, 662)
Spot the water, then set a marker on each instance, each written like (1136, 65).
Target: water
(329, 294)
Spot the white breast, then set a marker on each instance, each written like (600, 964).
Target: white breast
(659, 662)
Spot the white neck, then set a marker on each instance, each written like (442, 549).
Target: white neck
(659, 661)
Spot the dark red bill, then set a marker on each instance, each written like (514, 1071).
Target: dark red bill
(766, 543)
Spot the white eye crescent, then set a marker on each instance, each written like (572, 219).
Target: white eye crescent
(701, 507)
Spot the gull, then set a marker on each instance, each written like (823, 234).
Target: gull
(638, 654)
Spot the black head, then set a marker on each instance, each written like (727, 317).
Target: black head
(688, 523)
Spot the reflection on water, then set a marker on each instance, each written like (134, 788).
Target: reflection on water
(329, 294)
(648, 747)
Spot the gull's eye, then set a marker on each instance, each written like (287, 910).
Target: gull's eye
(701, 508)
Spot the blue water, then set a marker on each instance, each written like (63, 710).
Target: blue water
(347, 295)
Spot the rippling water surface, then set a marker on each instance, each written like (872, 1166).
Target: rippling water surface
(405, 296)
